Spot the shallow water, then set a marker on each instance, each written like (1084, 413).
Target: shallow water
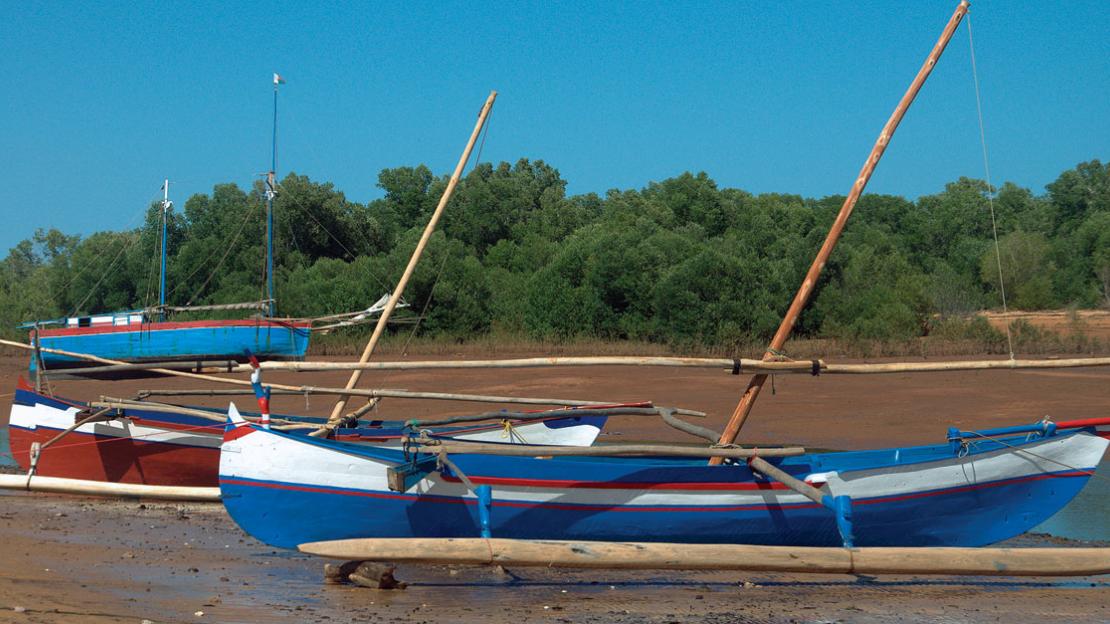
(6, 459)
(1087, 517)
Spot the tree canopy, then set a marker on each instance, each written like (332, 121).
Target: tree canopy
(679, 261)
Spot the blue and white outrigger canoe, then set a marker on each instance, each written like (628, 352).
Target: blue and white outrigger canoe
(978, 488)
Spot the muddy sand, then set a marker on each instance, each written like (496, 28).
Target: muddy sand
(69, 559)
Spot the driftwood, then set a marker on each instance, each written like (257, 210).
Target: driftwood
(364, 573)
(104, 488)
(663, 556)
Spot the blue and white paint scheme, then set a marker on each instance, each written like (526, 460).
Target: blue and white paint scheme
(287, 490)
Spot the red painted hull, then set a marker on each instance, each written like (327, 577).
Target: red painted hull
(119, 460)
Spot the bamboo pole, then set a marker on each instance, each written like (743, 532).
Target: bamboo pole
(104, 488)
(213, 366)
(665, 556)
(398, 394)
(744, 364)
(604, 450)
(400, 289)
(744, 407)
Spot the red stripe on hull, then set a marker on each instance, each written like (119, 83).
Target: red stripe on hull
(117, 460)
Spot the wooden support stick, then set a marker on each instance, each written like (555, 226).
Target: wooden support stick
(744, 407)
(400, 289)
(97, 416)
(664, 556)
(772, 471)
(161, 408)
(603, 450)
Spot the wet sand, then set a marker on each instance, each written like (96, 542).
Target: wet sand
(68, 559)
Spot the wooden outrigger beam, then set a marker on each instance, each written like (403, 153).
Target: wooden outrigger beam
(744, 407)
(369, 393)
(395, 297)
(737, 365)
(104, 488)
(663, 556)
(603, 450)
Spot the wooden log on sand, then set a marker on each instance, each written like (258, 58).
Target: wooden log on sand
(84, 487)
(660, 556)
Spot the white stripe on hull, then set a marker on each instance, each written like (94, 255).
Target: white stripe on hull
(266, 457)
(46, 417)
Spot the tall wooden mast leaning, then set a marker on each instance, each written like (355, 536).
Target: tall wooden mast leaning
(379, 329)
(744, 407)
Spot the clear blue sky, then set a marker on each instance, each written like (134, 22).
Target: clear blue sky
(102, 100)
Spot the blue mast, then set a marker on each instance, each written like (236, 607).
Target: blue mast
(166, 203)
(270, 192)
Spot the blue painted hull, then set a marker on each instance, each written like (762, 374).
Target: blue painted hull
(189, 341)
(270, 511)
(286, 491)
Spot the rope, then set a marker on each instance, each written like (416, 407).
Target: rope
(73, 277)
(350, 254)
(1089, 473)
(227, 250)
(990, 187)
(427, 304)
(485, 132)
(125, 247)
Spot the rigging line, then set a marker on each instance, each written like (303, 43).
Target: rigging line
(308, 211)
(73, 278)
(990, 188)
(227, 250)
(150, 277)
(428, 303)
(362, 226)
(200, 266)
(485, 133)
(154, 263)
(125, 247)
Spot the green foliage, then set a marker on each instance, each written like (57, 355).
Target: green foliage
(680, 261)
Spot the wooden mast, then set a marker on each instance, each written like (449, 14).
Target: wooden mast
(337, 411)
(744, 407)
